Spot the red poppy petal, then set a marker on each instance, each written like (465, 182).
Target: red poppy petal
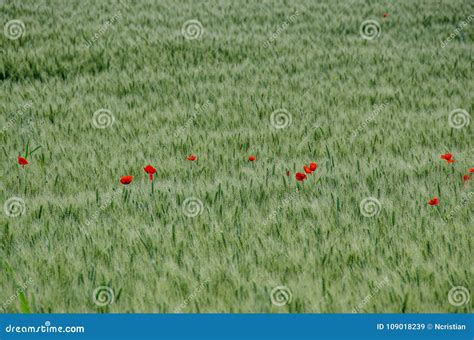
(300, 177)
(126, 179)
(446, 156)
(22, 161)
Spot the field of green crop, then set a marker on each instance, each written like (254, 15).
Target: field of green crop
(374, 92)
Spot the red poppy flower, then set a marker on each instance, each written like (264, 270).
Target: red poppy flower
(466, 178)
(251, 158)
(300, 177)
(448, 157)
(471, 170)
(433, 201)
(385, 15)
(313, 166)
(22, 161)
(126, 179)
(150, 171)
(307, 170)
(191, 158)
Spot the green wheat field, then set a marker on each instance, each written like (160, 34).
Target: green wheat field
(374, 92)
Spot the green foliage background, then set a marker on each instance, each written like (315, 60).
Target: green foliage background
(226, 84)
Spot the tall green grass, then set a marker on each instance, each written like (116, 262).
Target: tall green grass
(213, 97)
